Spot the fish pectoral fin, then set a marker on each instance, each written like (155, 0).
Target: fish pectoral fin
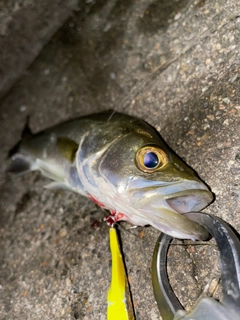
(58, 186)
(67, 147)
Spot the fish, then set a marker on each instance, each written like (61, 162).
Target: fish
(123, 164)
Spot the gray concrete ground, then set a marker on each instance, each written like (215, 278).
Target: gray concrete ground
(54, 263)
(25, 27)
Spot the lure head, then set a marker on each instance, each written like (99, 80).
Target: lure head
(134, 173)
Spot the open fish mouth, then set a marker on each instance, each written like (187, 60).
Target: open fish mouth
(164, 207)
(194, 200)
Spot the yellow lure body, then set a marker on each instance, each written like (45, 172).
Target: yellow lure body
(119, 301)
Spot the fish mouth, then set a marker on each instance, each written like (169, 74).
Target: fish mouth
(193, 200)
(164, 207)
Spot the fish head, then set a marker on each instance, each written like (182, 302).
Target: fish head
(137, 174)
(166, 190)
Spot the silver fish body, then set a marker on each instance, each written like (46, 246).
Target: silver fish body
(123, 164)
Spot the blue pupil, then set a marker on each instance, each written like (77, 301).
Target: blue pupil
(150, 160)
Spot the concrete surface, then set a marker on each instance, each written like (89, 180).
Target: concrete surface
(25, 27)
(54, 263)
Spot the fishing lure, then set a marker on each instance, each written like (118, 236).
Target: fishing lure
(119, 299)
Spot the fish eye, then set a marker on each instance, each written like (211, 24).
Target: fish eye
(151, 158)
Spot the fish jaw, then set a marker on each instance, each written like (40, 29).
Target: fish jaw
(182, 196)
(163, 215)
(164, 207)
(179, 226)
(192, 200)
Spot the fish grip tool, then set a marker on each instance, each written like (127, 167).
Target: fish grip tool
(208, 308)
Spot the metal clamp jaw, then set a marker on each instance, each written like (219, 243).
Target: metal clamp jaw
(208, 308)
